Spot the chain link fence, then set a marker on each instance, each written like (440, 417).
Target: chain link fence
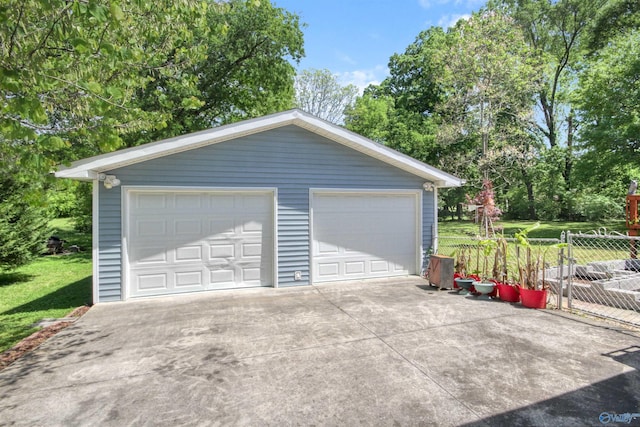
(547, 253)
(596, 273)
(603, 278)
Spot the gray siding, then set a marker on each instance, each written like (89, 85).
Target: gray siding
(289, 158)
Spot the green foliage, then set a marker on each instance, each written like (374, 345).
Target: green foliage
(69, 71)
(594, 207)
(244, 72)
(23, 224)
(612, 128)
(613, 20)
(82, 216)
(61, 201)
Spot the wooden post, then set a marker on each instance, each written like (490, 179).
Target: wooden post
(633, 222)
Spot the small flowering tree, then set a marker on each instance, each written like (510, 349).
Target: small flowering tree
(487, 210)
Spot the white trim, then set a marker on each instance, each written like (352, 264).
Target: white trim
(363, 191)
(95, 241)
(126, 196)
(124, 231)
(311, 279)
(274, 210)
(86, 169)
(419, 231)
(434, 230)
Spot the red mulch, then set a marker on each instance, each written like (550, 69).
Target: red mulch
(34, 340)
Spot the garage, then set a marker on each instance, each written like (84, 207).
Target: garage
(358, 235)
(276, 201)
(186, 241)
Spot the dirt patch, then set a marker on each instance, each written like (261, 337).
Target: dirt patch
(34, 340)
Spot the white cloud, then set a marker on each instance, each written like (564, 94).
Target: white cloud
(345, 58)
(448, 21)
(363, 78)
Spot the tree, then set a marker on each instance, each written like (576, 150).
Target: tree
(612, 128)
(489, 81)
(318, 92)
(23, 229)
(400, 111)
(244, 73)
(555, 31)
(614, 19)
(70, 69)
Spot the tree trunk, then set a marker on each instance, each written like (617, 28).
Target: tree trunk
(530, 195)
(565, 210)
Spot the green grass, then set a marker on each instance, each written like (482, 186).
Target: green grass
(454, 235)
(547, 229)
(49, 287)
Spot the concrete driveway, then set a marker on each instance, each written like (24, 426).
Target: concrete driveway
(388, 352)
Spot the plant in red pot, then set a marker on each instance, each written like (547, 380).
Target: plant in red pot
(506, 291)
(533, 291)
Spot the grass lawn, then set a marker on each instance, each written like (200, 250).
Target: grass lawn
(49, 287)
(455, 236)
(547, 230)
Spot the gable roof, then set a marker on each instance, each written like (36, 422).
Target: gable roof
(89, 168)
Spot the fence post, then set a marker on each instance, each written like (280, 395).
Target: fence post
(570, 272)
(561, 273)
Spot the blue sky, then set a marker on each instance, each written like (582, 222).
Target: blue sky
(354, 39)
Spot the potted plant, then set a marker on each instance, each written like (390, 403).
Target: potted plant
(484, 286)
(461, 280)
(533, 292)
(506, 291)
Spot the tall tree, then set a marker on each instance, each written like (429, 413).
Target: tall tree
(555, 31)
(490, 78)
(318, 92)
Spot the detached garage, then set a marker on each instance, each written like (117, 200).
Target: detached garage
(283, 200)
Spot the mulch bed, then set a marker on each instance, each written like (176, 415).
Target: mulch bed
(34, 340)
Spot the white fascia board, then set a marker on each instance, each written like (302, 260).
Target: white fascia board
(87, 169)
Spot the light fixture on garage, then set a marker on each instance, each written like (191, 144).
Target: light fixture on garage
(428, 186)
(109, 181)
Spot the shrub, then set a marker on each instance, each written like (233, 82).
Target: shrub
(596, 207)
(23, 224)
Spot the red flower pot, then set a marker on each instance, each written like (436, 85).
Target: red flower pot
(533, 298)
(508, 293)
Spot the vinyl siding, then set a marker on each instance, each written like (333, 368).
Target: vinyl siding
(289, 158)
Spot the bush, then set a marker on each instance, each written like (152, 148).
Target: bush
(61, 203)
(82, 214)
(596, 207)
(23, 224)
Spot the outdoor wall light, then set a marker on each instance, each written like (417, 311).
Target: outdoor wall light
(109, 181)
(428, 186)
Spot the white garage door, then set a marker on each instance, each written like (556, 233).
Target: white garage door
(182, 241)
(364, 235)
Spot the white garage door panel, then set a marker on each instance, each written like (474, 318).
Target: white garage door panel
(195, 241)
(362, 235)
